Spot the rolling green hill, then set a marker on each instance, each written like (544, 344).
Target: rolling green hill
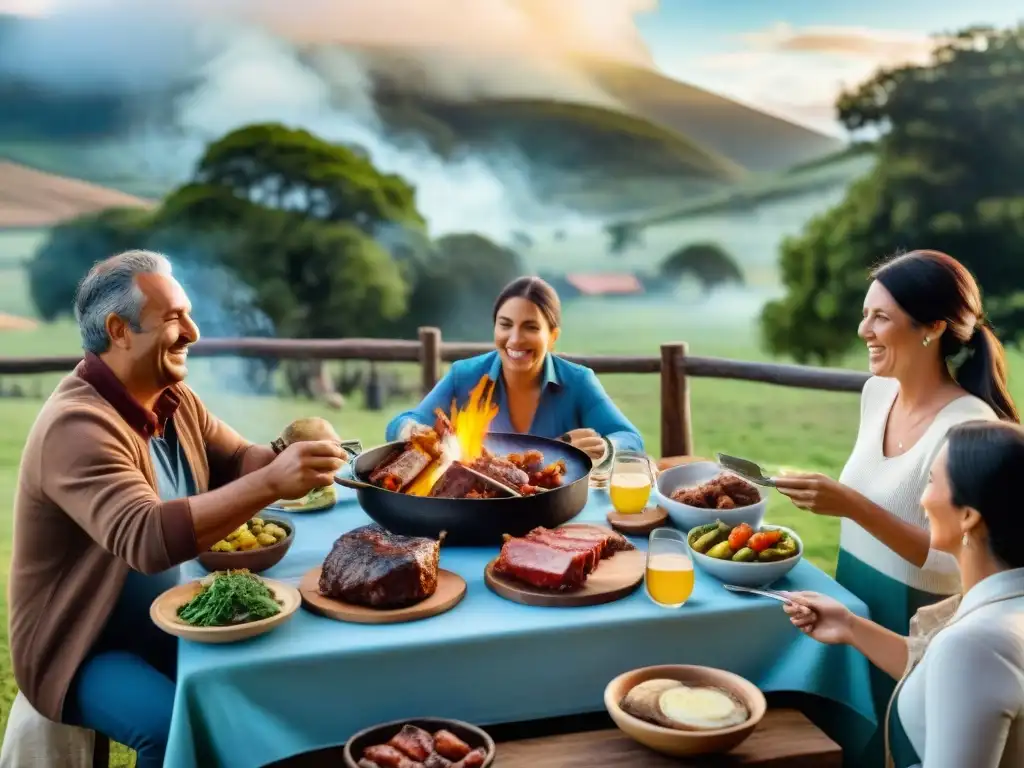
(754, 139)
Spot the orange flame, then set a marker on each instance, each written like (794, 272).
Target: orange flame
(470, 425)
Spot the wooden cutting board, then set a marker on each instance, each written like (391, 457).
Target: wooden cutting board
(614, 578)
(451, 588)
(639, 524)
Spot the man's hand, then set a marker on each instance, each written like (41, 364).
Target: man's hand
(303, 466)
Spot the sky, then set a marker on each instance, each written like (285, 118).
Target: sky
(788, 57)
(793, 57)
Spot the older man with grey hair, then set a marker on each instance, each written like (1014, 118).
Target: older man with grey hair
(124, 476)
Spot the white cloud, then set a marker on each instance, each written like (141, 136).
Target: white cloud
(799, 72)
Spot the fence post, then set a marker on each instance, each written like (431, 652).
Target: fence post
(430, 358)
(676, 430)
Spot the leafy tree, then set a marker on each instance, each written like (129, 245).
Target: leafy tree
(289, 169)
(71, 250)
(622, 237)
(950, 176)
(707, 262)
(455, 288)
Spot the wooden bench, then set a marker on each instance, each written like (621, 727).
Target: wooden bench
(784, 739)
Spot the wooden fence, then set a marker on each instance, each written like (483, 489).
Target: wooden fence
(674, 365)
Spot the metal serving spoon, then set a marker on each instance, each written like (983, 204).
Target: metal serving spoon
(746, 469)
(762, 592)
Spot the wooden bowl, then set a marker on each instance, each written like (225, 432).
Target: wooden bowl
(164, 613)
(669, 741)
(256, 560)
(380, 734)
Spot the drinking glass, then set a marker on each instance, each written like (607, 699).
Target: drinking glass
(630, 482)
(669, 574)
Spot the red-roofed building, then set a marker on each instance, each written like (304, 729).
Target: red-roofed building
(606, 284)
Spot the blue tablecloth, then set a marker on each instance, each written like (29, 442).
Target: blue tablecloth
(313, 682)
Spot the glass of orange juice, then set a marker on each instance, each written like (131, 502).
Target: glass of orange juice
(630, 482)
(669, 575)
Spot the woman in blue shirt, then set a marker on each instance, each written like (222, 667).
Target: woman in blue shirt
(536, 392)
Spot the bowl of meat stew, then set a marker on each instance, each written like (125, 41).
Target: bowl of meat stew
(702, 492)
(423, 741)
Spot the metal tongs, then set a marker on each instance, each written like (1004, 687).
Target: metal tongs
(746, 469)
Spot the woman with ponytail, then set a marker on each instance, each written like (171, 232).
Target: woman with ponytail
(935, 363)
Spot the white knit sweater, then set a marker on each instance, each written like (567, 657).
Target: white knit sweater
(896, 484)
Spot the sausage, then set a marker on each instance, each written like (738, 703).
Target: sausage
(450, 746)
(474, 759)
(386, 756)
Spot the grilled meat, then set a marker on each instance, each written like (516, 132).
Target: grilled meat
(458, 482)
(450, 746)
(542, 566)
(502, 470)
(593, 549)
(372, 567)
(436, 761)
(387, 756)
(724, 491)
(414, 742)
(474, 759)
(612, 541)
(401, 468)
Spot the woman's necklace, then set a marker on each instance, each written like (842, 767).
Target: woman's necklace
(911, 430)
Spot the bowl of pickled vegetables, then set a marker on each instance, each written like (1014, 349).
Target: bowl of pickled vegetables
(256, 546)
(744, 555)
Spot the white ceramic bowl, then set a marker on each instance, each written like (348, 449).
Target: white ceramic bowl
(686, 518)
(753, 574)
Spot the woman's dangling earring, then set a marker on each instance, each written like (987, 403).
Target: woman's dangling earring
(965, 540)
(926, 341)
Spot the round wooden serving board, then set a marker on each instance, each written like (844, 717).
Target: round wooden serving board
(164, 613)
(613, 579)
(640, 523)
(451, 588)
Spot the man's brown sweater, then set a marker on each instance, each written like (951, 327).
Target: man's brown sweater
(87, 511)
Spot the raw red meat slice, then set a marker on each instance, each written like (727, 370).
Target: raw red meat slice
(541, 565)
(592, 548)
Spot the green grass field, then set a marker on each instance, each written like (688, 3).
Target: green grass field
(774, 425)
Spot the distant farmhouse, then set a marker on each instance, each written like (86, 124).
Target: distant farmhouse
(575, 285)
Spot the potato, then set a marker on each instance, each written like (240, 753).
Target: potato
(237, 532)
(702, 708)
(246, 541)
(642, 701)
(266, 540)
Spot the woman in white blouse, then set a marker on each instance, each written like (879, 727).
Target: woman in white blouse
(960, 700)
(935, 363)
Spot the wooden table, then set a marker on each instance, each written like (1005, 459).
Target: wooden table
(784, 739)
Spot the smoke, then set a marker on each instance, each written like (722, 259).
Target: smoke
(238, 61)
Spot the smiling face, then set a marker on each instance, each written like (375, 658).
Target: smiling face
(895, 343)
(158, 353)
(522, 336)
(947, 523)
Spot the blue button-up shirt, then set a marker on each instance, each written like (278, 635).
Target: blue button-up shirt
(571, 398)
